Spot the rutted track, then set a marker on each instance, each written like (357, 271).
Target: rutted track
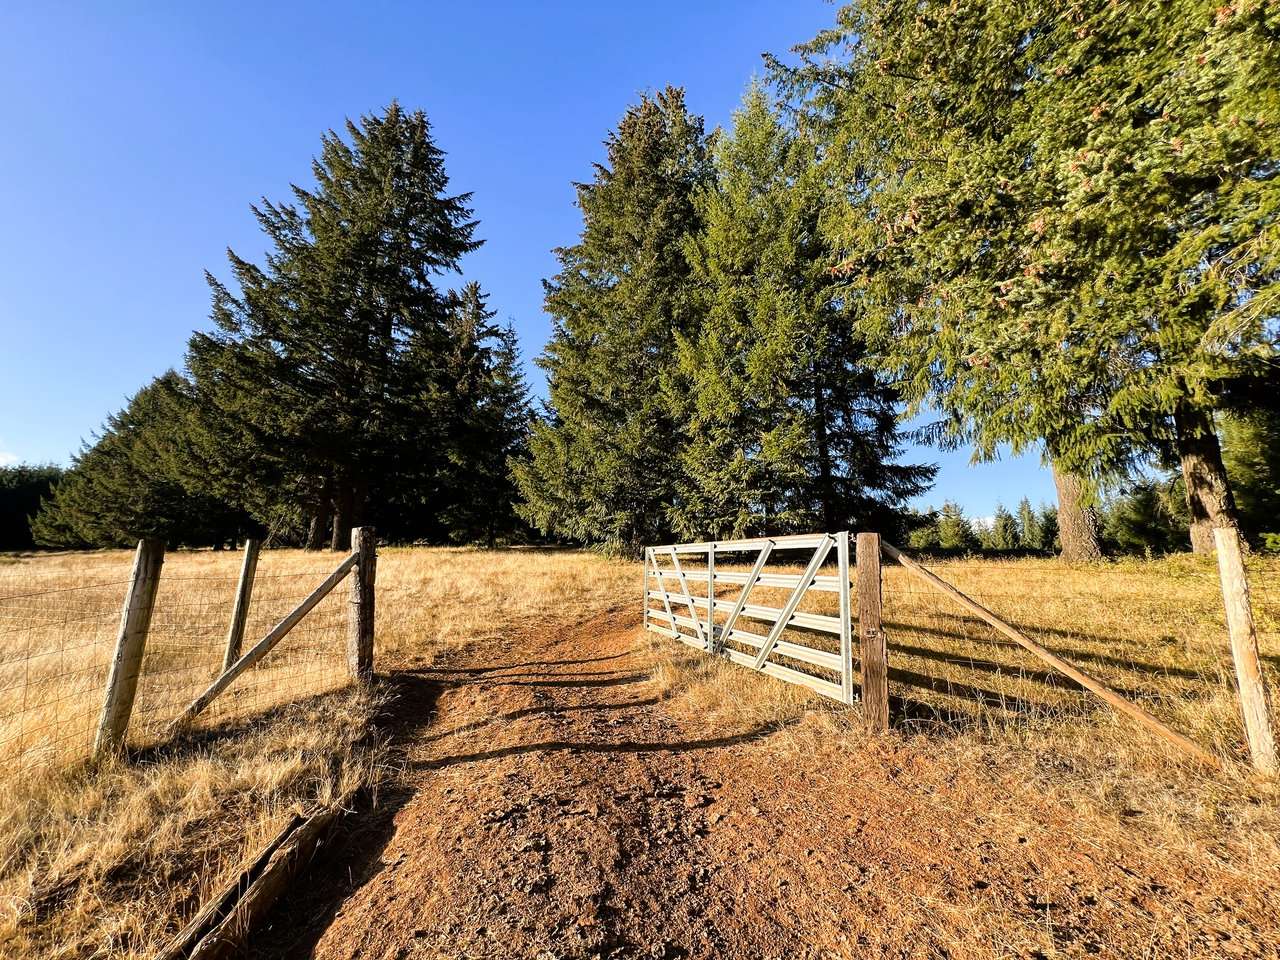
(550, 808)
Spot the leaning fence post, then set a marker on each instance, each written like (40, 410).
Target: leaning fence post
(364, 543)
(240, 615)
(135, 620)
(875, 656)
(1254, 699)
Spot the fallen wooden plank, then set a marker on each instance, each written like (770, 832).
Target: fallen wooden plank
(229, 920)
(217, 908)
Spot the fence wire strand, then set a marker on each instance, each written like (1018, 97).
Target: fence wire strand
(59, 620)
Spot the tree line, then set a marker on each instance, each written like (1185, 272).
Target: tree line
(339, 385)
(1040, 227)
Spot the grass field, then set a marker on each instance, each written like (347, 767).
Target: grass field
(111, 861)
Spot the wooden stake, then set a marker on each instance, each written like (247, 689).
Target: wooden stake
(364, 545)
(1255, 699)
(135, 620)
(240, 615)
(871, 639)
(1079, 676)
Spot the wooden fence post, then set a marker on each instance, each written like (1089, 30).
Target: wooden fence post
(1255, 701)
(135, 620)
(240, 615)
(364, 543)
(875, 656)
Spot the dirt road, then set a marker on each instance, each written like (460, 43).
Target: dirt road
(550, 808)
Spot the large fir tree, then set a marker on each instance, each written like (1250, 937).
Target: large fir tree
(784, 427)
(1059, 218)
(317, 378)
(600, 466)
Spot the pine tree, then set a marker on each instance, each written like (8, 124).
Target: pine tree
(955, 532)
(1251, 454)
(487, 416)
(1145, 518)
(1005, 534)
(600, 467)
(1057, 230)
(315, 380)
(1028, 526)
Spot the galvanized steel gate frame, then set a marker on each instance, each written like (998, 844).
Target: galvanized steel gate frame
(696, 611)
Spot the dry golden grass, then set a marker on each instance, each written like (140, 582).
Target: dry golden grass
(111, 861)
(964, 695)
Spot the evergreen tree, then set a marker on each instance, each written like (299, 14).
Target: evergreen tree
(785, 428)
(130, 483)
(1004, 534)
(21, 488)
(1251, 453)
(316, 378)
(955, 532)
(1029, 537)
(600, 466)
(1148, 517)
(487, 404)
(1048, 527)
(1059, 230)
(922, 530)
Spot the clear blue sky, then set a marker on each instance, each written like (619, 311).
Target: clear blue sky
(137, 134)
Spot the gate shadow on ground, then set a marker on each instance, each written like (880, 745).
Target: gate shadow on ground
(355, 857)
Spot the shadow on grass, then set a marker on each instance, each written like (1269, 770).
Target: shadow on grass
(354, 856)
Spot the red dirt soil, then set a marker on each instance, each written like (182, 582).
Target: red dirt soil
(550, 809)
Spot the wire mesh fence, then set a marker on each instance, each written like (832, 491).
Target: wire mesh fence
(60, 616)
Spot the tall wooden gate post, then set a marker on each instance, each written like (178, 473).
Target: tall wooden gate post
(1255, 701)
(875, 655)
(135, 621)
(364, 543)
(240, 615)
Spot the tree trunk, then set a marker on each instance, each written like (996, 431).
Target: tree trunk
(342, 515)
(1209, 500)
(321, 517)
(1077, 523)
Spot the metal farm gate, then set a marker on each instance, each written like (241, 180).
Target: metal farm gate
(702, 593)
(715, 596)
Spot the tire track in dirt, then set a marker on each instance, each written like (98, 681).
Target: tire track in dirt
(550, 810)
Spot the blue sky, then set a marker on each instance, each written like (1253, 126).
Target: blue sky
(137, 134)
